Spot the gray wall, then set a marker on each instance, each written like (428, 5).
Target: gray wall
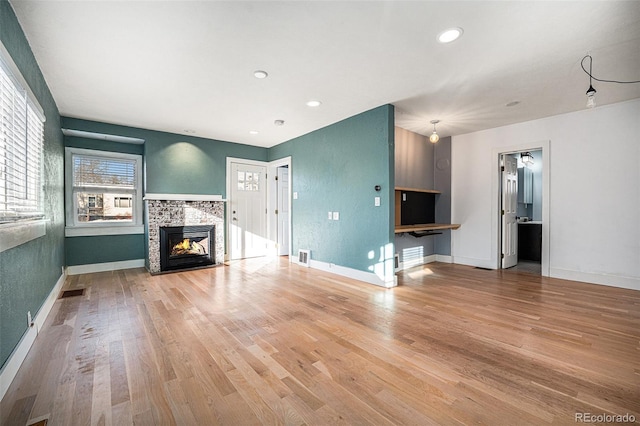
(413, 169)
(422, 165)
(442, 182)
(413, 160)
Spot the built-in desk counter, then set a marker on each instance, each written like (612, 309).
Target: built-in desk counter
(425, 228)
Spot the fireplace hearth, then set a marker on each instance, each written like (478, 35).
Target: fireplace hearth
(184, 247)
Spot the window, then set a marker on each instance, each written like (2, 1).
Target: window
(104, 192)
(248, 181)
(122, 202)
(21, 146)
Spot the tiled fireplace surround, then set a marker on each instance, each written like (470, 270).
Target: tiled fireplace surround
(181, 212)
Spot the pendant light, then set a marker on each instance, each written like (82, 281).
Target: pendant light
(591, 92)
(527, 159)
(434, 136)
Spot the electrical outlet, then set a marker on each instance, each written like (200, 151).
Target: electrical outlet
(295, 195)
(376, 201)
(336, 215)
(29, 321)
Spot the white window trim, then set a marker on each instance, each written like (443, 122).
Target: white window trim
(17, 75)
(75, 229)
(13, 234)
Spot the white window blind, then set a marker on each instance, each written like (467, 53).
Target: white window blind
(21, 146)
(91, 173)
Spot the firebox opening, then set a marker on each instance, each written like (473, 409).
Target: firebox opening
(189, 246)
(183, 247)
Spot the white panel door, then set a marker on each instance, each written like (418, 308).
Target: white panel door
(283, 211)
(248, 208)
(509, 210)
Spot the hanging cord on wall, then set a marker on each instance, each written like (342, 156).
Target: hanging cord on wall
(590, 74)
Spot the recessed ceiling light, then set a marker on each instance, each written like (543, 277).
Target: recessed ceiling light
(512, 103)
(253, 132)
(189, 131)
(260, 74)
(279, 122)
(314, 103)
(449, 35)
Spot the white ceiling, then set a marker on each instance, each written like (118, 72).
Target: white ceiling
(180, 66)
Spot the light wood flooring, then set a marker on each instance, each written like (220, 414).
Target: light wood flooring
(263, 341)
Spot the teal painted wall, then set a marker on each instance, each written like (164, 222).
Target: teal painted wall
(29, 272)
(336, 169)
(127, 148)
(104, 248)
(187, 165)
(174, 164)
(177, 164)
(108, 248)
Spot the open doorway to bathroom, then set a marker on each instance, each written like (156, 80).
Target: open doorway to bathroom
(523, 226)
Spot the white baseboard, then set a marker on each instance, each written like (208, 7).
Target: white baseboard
(417, 262)
(10, 369)
(368, 277)
(478, 263)
(631, 283)
(425, 260)
(107, 266)
(444, 258)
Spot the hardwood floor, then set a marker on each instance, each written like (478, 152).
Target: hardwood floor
(266, 342)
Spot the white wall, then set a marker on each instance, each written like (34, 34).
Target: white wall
(594, 200)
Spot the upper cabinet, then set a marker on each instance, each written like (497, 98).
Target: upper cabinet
(525, 185)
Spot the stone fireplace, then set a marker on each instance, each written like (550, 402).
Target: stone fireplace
(196, 220)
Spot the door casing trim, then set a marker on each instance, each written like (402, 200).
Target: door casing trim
(497, 152)
(271, 168)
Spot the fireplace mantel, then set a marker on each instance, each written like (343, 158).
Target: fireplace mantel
(183, 197)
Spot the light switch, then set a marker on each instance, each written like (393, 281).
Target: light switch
(376, 201)
(336, 215)
(330, 216)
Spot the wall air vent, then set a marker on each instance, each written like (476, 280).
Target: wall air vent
(304, 257)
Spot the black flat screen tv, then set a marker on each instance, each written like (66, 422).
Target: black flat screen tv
(417, 208)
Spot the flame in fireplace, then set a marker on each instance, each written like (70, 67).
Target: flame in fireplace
(184, 245)
(188, 247)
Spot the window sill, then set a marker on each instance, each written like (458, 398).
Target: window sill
(14, 234)
(92, 231)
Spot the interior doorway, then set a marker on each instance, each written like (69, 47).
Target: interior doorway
(523, 209)
(279, 201)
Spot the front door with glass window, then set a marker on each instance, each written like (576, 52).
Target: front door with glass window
(248, 211)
